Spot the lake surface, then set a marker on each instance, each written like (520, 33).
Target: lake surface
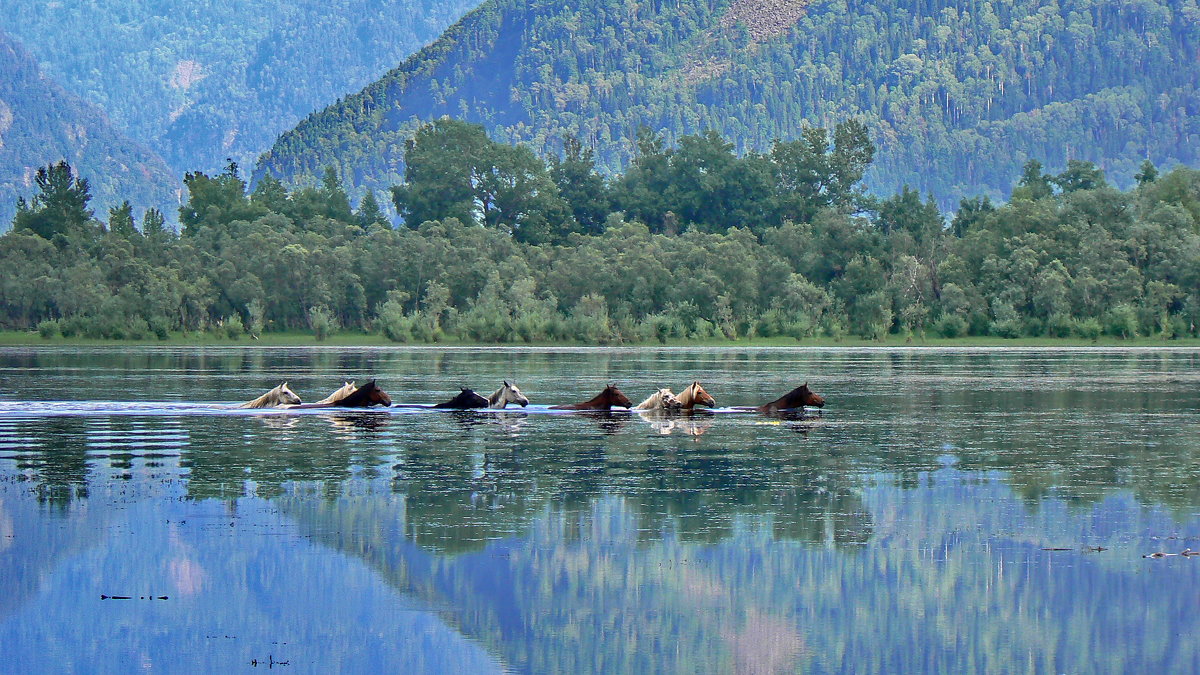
(914, 526)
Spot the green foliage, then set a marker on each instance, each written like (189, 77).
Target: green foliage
(321, 321)
(61, 204)
(1072, 262)
(956, 96)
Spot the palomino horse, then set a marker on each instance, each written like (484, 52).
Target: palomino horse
(695, 395)
(797, 398)
(274, 398)
(662, 399)
(605, 400)
(505, 395)
(465, 401)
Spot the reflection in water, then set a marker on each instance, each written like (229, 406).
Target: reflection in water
(902, 530)
(687, 422)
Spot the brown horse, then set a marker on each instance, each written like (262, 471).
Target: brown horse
(605, 400)
(797, 398)
(695, 395)
(365, 396)
(467, 400)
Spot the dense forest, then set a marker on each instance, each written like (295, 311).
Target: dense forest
(40, 122)
(958, 95)
(203, 81)
(692, 241)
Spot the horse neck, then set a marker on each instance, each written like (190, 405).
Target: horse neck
(358, 397)
(262, 401)
(687, 397)
(499, 399)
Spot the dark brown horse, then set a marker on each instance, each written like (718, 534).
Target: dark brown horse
(797, 398)
(467, 400)
(605, 400)
(365, 396)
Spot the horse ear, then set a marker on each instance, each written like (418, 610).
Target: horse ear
(507, 384)
(805, 383)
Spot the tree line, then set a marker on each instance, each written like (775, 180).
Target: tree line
(692, 241)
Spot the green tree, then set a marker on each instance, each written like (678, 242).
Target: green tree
(584, 190)
(369, 214)
(120, 220)
(60, 205)
(441, 170)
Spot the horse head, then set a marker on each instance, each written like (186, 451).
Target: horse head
(669, 400)
(694, 395)
(287, 396)
(613, 396)
(508, 393)
(803, 396)
(368, 395)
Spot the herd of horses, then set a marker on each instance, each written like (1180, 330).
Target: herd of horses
(369, 394)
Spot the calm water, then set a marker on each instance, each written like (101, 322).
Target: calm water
(904, 530)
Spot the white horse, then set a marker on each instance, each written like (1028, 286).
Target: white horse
(505, 395)
(662, 399)
(279, 396)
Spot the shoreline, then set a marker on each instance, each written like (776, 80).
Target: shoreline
(354, 339)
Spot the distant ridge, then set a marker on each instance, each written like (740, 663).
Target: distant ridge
(958, 96)
(41, 124)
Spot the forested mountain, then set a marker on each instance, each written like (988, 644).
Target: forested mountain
(202, 80)
(41, 124)
(957, 94)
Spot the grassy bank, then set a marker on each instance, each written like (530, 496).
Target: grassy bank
(358, 339)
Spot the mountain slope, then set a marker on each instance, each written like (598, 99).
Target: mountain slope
(958, 95)
(202, 81)
(41, 124)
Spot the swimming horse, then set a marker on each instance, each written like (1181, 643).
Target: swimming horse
(605, 400)
(467, 400)
(694, 395)
(279, 396)
(797, 398)
(508, 393)
(662, 399)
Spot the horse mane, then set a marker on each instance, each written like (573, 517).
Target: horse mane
(338, 395)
